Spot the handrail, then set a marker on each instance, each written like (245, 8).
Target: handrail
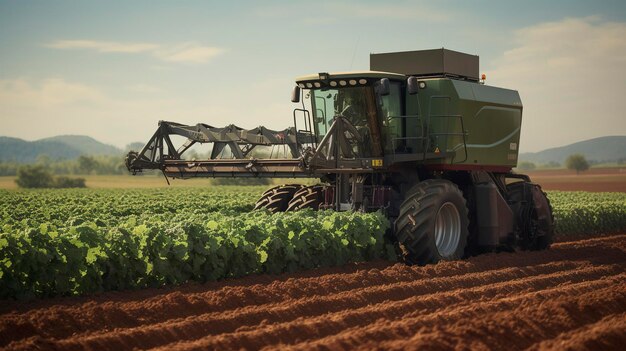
(422, 136)
(306, 116)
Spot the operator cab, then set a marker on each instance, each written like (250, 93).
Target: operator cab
(371, 102)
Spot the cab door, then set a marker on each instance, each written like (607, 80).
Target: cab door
(392, 121)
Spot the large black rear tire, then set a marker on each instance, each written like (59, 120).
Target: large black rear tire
(534, 215)
(277, 199)
(433, 223)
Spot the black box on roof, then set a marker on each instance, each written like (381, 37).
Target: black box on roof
(425, 63)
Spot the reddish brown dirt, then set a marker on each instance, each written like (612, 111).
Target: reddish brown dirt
(571, 296)
(594, 179)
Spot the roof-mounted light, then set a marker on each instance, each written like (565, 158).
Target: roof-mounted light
(324, 76)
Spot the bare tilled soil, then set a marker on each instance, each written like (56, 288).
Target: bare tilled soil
(572, 296)
(594, 179)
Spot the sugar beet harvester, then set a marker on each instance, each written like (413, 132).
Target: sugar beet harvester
(418, 137)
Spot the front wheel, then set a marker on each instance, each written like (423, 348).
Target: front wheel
(433, 223)
(277, 199)
(307, 197)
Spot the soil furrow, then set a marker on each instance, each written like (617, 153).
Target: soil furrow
(216, 323)
(506, 323)
(609, 333)
(305, 329)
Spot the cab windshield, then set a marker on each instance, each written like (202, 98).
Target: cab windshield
(346, 102)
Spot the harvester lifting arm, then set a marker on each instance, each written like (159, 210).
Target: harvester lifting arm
(160, 152)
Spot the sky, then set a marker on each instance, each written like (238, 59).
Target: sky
(113, 69)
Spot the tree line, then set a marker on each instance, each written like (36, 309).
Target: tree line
(47, 173)
(83, 165)
(574, 162)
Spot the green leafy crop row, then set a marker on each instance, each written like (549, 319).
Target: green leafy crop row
(112, 205)
(66, 242)
(588, 213)
(88, 256)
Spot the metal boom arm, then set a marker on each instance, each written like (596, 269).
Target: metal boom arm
(160, 152)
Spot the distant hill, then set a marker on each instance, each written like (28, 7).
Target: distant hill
(87, 145)
(56, 148)
(603, 149)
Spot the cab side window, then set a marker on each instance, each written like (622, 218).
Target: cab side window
(392, 123)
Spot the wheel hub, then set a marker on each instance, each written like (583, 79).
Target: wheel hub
(447, 230)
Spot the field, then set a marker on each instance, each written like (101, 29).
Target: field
(602, 179)
(594, 179)
(571, 296)
(197, 270)
(147, 181)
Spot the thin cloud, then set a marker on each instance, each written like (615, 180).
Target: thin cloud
(103, 46)
(188, 52)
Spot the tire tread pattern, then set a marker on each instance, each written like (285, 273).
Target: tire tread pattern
(277, 199)
(307, 197)
(416, 221)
